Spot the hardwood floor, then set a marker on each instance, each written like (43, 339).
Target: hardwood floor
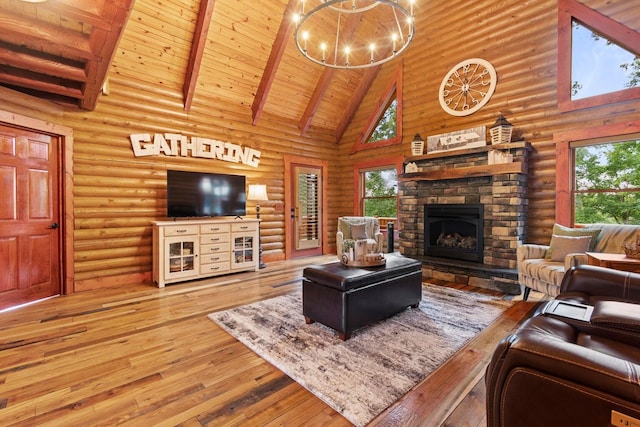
(140, 355)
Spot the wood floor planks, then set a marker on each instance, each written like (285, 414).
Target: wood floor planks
(140, 355)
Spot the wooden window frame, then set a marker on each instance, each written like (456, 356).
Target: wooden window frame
(568, 10)
(394, 87)
(358, 182)
(565, 162)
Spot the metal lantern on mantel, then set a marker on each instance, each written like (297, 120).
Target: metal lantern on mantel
(417, 145)
(501, 131)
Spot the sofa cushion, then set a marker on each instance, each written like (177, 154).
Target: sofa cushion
(561, 246)
(612, 236)
(560, 230)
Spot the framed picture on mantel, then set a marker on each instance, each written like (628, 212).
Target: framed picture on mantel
(457, 140)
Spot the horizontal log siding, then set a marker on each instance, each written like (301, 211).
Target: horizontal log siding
(520, 40)
(117, 195)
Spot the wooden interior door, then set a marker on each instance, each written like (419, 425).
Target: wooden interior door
(306, 211)
(30, 250)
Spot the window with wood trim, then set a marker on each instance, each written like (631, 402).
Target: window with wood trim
(606, 181)
(384, 126)
(598, 174)
(379, 192)
(585, 37)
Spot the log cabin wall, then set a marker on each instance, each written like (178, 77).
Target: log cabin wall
(117, 195)
(520, 40)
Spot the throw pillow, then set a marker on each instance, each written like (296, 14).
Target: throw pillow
(358, 231)
(561, 246)
(560, 230)
(345, 227)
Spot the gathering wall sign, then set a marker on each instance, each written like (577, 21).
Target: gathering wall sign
(174, 144)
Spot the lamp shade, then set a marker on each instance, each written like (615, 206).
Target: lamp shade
(257, 192)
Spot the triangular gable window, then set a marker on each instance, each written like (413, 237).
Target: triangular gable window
(599, 65)
(585, 36)
(384, 126)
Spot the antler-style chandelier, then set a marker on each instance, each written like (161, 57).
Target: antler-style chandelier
(353, 33)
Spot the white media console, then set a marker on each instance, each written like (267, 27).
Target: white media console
(194, 249)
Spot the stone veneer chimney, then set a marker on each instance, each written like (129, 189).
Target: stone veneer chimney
(465, 177)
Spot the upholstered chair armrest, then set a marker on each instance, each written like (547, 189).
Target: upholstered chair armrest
(574, 260)
(339, 240)
(602, 282)
(531, 251)
(379, 240)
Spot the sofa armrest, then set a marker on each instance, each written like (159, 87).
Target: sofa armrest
(602, 282)
(574, 260)
(531, 251)
(550, 345)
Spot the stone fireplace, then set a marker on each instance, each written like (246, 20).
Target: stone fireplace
(456, 197)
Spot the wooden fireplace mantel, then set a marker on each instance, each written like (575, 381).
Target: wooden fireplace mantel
(448, 172)
(464, 172)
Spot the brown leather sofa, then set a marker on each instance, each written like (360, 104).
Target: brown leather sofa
(576, 362)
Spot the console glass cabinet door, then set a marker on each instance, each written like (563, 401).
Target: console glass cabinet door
(182, 257)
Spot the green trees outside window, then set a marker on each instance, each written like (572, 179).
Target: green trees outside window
(386, 128)
(380, 193)
(607, 183)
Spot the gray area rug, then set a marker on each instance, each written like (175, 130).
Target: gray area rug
(362, 376)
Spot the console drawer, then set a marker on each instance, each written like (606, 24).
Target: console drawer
(214, 228)
(239, 227)
(181, 230)
(216, 267)
(213, 258)
(214, 249)
(211, 239)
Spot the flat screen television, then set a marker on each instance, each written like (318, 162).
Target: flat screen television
(201, 194)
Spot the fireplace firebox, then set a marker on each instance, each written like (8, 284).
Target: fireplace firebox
(454, 231)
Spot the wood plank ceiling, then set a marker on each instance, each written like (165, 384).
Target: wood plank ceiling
(61, 50)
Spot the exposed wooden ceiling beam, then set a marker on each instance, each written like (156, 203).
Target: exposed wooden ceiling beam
(104, 44)
(197, 50)
(277, 50)
(316, 98)
(366, 82)
(21, 31)
(38, 82)
(42, 64)
(90, 12)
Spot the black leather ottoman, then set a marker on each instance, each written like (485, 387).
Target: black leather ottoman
(348, 298)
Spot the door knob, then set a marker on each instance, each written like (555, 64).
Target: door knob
(54, 225)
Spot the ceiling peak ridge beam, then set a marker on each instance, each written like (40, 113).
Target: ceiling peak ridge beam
(277, 50)
(205, 14)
